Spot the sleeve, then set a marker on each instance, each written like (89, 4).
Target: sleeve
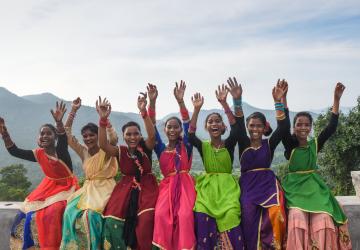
(277, 135)
(243, 139)
(196, 142)
(62, 150)
(159, 145)
(74, 143)
(328, 131)
(288, 140)
(188, 145)
(21, 153)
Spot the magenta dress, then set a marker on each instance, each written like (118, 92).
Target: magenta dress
(174, 217)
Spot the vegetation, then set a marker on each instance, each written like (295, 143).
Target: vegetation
(14, 185)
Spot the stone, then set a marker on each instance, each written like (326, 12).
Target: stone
(356, 182)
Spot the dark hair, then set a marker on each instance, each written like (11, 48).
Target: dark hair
(90, 126)
(173, 118)
(214, 113)
(262, 118)
(303, 113)
(51, 127)
(130, 124)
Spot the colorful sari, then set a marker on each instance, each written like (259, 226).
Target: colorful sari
(174, 216)
(39, 222)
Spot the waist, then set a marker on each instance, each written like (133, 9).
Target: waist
(257, 169)
(303, 171)
(99, 178)
(133, 175)
(61, 178)
(177, 172)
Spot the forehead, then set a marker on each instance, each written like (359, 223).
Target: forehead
(214, 117)
(172, 122)
(302, 119)
(88, 132)
(255, 121)
(46, 129)
(132, 129)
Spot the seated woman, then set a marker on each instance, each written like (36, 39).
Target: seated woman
(39, 222)
(315, 220)
(129, 213)
(83, 220)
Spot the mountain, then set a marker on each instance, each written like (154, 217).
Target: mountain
(24, 115)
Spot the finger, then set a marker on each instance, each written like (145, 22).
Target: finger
(176, 85)
(57, 105)
(52, 113)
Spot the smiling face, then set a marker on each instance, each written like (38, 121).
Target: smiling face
(173, 129)
(132, 136)
(256, 128)
(46, 138)
(215, 125)
(90, 138)
(302, 127)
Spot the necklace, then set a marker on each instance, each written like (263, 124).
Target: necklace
(218, 147)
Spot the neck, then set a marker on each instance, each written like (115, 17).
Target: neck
(92, 151)
(172, 144)
(302, 142)
(255, 142)
(50, 151)
(216, 141)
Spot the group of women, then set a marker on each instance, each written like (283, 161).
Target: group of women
(215, 211)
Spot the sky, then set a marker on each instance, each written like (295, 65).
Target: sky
(114, 48)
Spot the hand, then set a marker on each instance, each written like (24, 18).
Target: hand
(284, 85)
(141, 102)
(278, 91)
(197, 101)
(2, 126)
(221, 93)
(59, 112)
(339, 90)
(179, 91)
(76, 104)
(235, 89)
(103, 107)
(152, 92)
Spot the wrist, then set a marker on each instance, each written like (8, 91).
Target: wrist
(103, 122)
(143, 113)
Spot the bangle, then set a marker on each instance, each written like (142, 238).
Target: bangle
(184, 114)
(144, 114)
(281, 117)
(103, 122)
(280, 106)
(181, 102)
(237, 102)
(227, 110)
(192, 128)
(151, 112)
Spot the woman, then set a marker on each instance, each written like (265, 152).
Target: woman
(315, 220)
(39, 222)
(263, 218)
(129, 213)
(217, 206)
(174, 217)
(83, 220)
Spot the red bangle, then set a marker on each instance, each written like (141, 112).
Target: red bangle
(151, 112)
(227, 110)
(103, 122)
(143, 114)
(184, 114)
(192, 128)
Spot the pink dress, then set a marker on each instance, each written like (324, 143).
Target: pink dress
(174, 217)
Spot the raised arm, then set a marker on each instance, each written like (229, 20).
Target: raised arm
(72, 141)
(11, 147)
(331, 127)
(236, 91)
(153, 94)
(221, 94)
(278, 92)
(179, 91)
(197, 101)
(149, 126)
(103, 107)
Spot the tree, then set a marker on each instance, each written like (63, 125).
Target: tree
(14, 185)
(341, 153)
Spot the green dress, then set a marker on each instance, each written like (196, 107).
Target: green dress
(304, 188)
(218, 192)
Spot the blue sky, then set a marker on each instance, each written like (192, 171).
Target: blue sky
(113, 48)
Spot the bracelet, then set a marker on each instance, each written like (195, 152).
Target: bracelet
(280, 117)
(192, 128)
(237, 102)
(151, 112)
(280, 106)
(181, 102)
(227, 110)
(72, 114)
(103, 122)
(184, 114)
(144, 114)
